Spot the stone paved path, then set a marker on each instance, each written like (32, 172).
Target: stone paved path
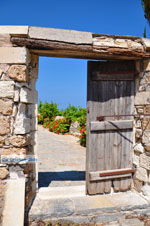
(61, 160)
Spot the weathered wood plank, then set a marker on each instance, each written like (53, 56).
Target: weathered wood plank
(59, 48)
(111, 125)
(112, 77)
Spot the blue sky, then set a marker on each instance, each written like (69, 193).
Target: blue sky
(64, 80)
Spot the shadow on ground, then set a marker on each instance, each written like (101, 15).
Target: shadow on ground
(45, 178)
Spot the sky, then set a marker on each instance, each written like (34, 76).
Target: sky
(64, 80)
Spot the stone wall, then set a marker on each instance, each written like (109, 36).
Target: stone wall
(18, 110)
(141, 157)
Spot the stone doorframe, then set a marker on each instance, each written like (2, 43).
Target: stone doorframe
(20, 48)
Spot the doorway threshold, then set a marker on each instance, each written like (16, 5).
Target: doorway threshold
(70, 204)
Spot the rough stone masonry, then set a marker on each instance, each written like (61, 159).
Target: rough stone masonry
(19, 51)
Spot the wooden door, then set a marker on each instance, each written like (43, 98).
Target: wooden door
(110, 108)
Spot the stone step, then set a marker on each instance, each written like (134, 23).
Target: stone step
(73, 205)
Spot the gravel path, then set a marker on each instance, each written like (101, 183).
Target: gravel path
(61, 160)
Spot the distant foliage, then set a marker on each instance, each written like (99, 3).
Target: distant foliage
(75, 114)
(49, 111)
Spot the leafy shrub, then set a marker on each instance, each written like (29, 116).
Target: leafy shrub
(59, 126)
(75, 114)
(83, 136)
(47, 110)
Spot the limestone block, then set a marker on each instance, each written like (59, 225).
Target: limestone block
(3, 68)
(17, 55)
(145, 161)
(146, 42)
(4, 125)
(146, 123)
(7, 89)
(18, 30)
(142, 98)
(146, 138)
(22, 122)
(134, 45)
(20, 141)
(2, 141)
(28, 96)
(5, 40)
(22, 126)
(16, 95)
(139, 148)
(147, 109)
(146, 190)
(146, 65)
(32, 110)
(3, 173)
(136, 160)
(138, 124)
(60, 35)
(18, 73)
(15, 110)
(33, 124)
(138, 133)
(138, 185)
(6, 107)
(11, 151)
(147, 147)
(141, 174)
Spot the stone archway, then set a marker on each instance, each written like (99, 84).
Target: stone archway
(20, 48)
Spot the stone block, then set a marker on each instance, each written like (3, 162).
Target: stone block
(18, 30)
(6, 107)
(16, 95)
(146, 138)
(138, 147)
(138, 133)
(13, 151)
(69, 36)
(6, 89)
(22, 126)
(146, 43)
(32, 110)
(3, 173)
(146, 190)
(28, 96)
(147, 147)
(22, 122)
(33, 124)
(145, 161)
(146, 65)
(141, 174)
(142, 98)
(2, 141)
(147, 109)
(136, 160)
(18, 73)
(4, 125)
(20, 141)
(138, 185)
(5, 40)
(3, 68)
(17, 55)
(146, 123)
